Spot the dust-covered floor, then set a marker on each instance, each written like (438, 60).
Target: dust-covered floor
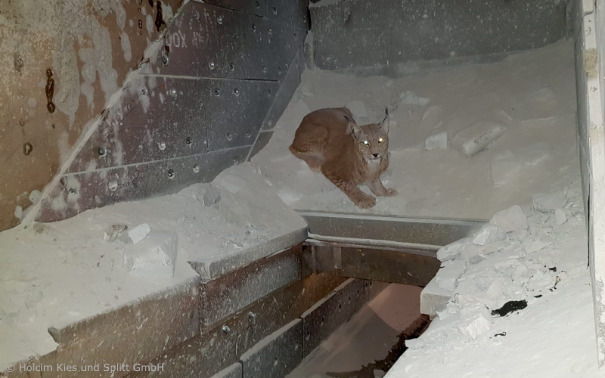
(57, 274)
(528, 99)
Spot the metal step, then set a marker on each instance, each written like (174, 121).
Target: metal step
(387, 231)
(380, 248)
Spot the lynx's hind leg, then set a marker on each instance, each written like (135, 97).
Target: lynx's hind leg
(313, 159)
(308, 145)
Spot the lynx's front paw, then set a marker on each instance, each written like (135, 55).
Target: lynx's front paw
(366, 202)
(391, 192)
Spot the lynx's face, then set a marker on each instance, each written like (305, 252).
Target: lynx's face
(372, 141)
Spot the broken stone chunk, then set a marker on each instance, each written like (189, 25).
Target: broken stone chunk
(155, 255)
(546, 202)
(476, 321)
(451, 251)
(477, 137)
(113, 232)
(211, 196)
(411, 98)
(511, 219)
(436, 142)
(488, 234)
(448, 275)
(138, 233)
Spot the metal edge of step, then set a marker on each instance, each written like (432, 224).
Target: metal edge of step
(387, 231)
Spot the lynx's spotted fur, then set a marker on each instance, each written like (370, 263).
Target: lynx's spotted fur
(347, 154)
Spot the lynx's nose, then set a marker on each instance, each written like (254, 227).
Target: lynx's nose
(375, 155)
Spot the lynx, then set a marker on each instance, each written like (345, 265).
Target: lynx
(331, 142)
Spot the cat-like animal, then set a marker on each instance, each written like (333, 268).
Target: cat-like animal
(330, 141)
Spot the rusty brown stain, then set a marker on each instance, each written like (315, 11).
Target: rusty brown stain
(18, 62)
(27, 148)
(159, 20)
(50, 90)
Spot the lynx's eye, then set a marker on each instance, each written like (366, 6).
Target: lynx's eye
(380, 140)
(366, 142)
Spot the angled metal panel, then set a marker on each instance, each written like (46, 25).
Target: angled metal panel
(207, 89)
(87, 190)
(257, 7)
(209, 41)
(294, 12)
(176, 118)
(261, 142)
(287, 87)
(237, 111)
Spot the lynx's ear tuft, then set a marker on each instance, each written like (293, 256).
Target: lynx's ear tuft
(384, 125)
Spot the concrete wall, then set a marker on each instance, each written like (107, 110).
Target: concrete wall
(359, 33)
(589, 33)
(132, 115)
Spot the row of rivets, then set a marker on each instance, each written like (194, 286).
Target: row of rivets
(113, 184)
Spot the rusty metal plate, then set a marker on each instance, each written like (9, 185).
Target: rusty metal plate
(118, 337)
(326, 257)
(389, 266)
(254, 322)
(81, 191)
(166, 118)
(257, 7)
(221, 346)
(355, 293)
(228, 294)
(263, 317)
(331, 312)
(209, 41)
(277, 354)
